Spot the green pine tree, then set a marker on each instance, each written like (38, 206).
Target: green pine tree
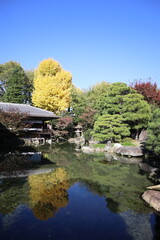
(110, 127)
(15, 90)
(153, 140)
(123, 100)
(16, 85)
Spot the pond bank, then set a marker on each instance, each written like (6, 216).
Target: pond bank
(26, 173)
(130, 151)
(117, 148)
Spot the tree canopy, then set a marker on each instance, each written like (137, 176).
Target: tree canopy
(14, 83)
(52, 86)
(153, 140)
(78, 102)
(82, 100)
(112, 101)
(123, 100)
(95, 93)
(110, 127)
(149, 90)
(88, 118)
(13, 119)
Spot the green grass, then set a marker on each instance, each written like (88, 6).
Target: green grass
(99, 145)
(128, 143)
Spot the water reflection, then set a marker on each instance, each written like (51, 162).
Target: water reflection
(48, 193)
(55, 197)
(13, 192)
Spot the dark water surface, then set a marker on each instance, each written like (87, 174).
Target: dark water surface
(84, 197)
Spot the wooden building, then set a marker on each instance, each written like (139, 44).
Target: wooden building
(36, 125)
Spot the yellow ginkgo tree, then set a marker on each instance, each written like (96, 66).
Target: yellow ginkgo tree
(52, 86)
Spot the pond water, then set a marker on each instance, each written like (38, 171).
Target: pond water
(84, 197)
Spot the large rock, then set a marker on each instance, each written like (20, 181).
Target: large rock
(116, 146)
(88, 149)
(110, 149)
(143, 135)
(153, 198)
(130, 151)
(76, 140)
(71, 140)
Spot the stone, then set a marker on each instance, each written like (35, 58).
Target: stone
(143, 135)
(110, 149)
(71, 140)
(111, 157)
(87, 149)
(33, 141)
(147, 168)
(99, 149)
(132, 160)
(92, 141)
(117, 146)
(79, 140)
(130, 151)
(156, 187)
(109, 144)
(152, 197)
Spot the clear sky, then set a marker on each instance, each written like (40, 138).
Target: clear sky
(96, 40)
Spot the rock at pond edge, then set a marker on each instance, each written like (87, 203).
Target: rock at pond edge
(153, 198)
(130, 151)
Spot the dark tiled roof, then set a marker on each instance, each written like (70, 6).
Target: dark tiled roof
(27, 109)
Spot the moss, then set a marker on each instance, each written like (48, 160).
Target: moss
(99, 145)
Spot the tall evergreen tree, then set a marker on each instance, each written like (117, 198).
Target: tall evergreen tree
(153, 139)
(15, 91)
(14, 83)
(6, 70)
(29, 85)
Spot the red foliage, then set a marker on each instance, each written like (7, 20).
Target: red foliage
(87, 118)
(63, 127)
(148, 90)
(13, 119)
(64, 122)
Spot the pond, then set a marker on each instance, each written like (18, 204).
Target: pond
(83, 197)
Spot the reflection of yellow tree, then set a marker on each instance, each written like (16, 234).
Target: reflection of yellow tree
(48, 193)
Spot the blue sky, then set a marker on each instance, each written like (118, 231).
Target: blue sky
(96, 40)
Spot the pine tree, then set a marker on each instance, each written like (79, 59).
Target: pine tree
(110, 127)
(125, 101)
(16, 86)
(153, 140)
(13, 83)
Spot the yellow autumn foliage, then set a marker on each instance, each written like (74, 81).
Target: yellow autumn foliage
(48, 193)
(52, 86)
